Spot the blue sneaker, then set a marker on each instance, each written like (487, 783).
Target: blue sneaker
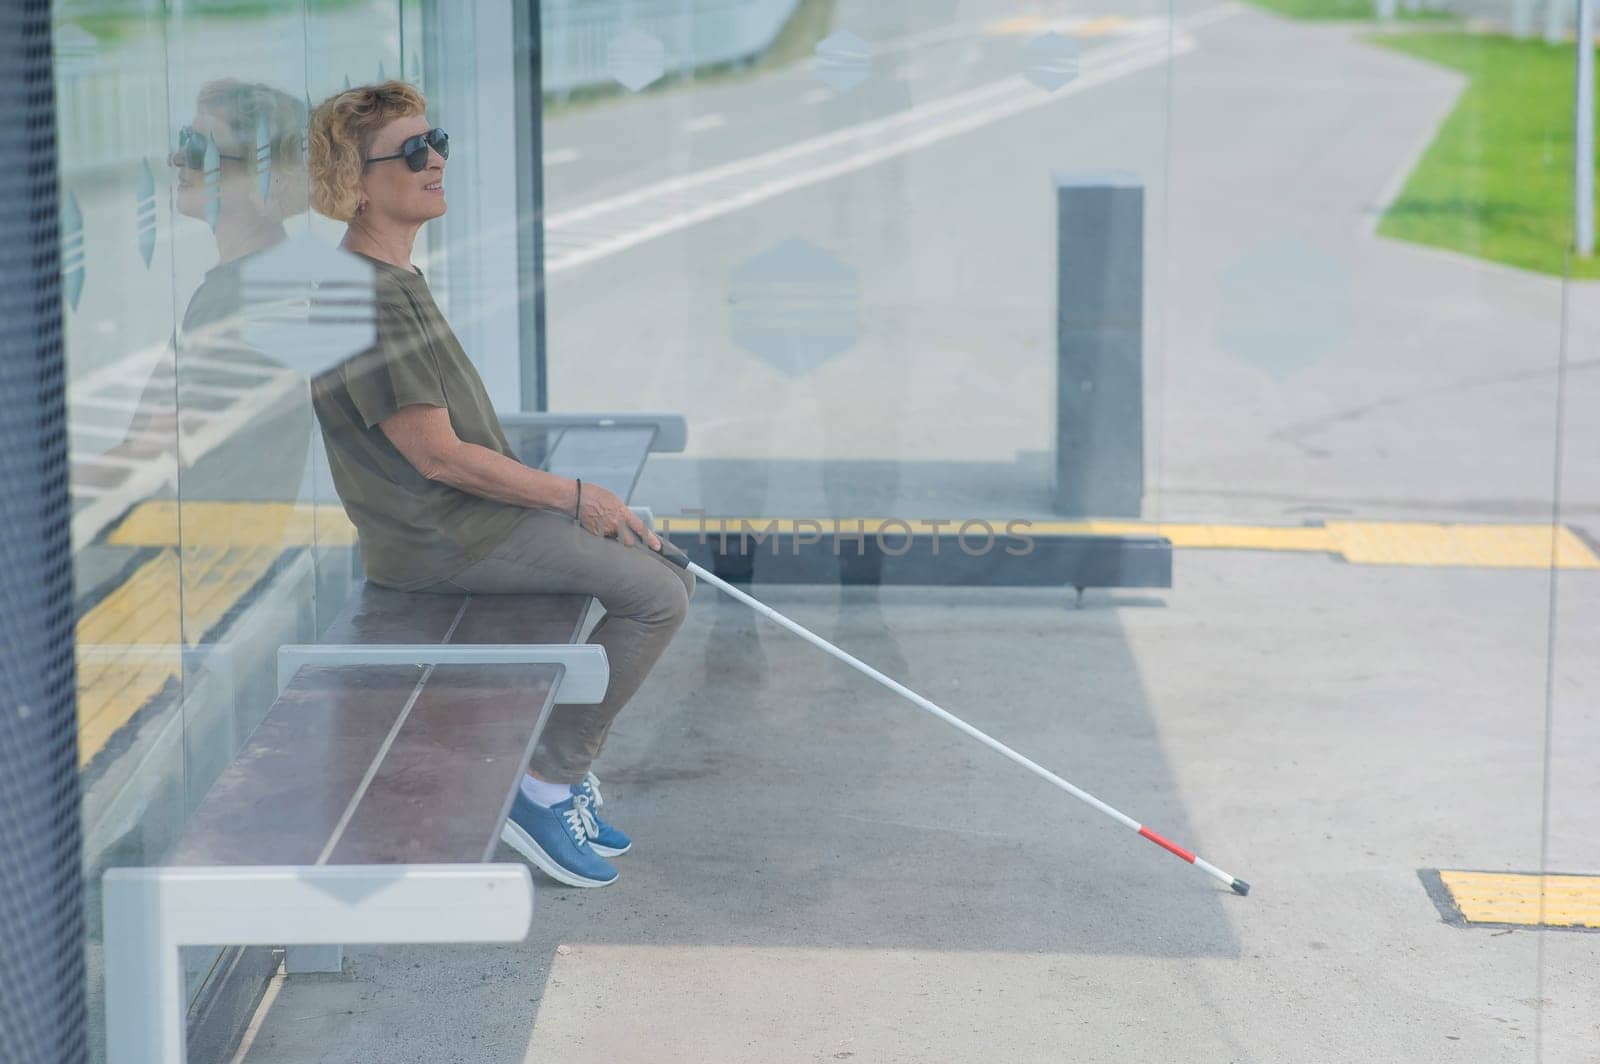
(607, 840)
(556, 840)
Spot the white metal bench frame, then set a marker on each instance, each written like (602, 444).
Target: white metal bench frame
(151, 913)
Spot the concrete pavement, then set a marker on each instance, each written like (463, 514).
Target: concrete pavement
(820, 870)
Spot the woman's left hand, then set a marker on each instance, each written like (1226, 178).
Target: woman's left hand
(605, 514)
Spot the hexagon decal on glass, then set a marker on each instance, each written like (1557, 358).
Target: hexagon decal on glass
(1283, 306)
(263, 157)
(1051, 61)
(635, 59)
(306, 305)
(211, 182)
(144, 197)
(74, 264)
(843, 60)
(795, 306)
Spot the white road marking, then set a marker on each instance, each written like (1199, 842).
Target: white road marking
(583, 234)
(816, 96)
(702, 123)
(256, 1019)
(561, 156)
(1392, 188)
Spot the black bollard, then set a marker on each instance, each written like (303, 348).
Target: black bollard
(1100, 344)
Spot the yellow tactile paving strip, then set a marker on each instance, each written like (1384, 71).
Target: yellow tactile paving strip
(1357, 542)
(234, 524)
(128, 644)
(129, 641)
(1514, 898)
(1408, 543)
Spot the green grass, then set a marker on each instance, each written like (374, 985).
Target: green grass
(1496, 181)
(1339, 10)
(795, 42)
(116, 22)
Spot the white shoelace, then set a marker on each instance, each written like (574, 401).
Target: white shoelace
(594, 788)
(580, 822)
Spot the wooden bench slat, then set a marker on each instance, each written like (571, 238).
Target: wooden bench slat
(380, 615)
(449, 777)
(280, 799)
(522, 619)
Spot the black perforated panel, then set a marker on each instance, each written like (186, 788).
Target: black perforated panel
(42, 1017)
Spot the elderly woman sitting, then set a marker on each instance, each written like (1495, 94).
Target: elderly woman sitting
(440, 502)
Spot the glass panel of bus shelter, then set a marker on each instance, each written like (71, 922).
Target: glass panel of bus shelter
(346, 44)
(243, 110)
(1565, 1028)
(835, 230)
(266, 552)
(1368, 225)
(835, 237)
(1125, 272)
(237, 117)
(251, 524)
(117, 282)
(844, 271)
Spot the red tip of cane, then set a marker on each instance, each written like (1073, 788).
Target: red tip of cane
(1171, 847)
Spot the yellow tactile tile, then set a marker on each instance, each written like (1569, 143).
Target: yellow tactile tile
(1491, 546)
(234, 524)
(1515, 898)
(128, 650)
(129, 644)
(1218, 537)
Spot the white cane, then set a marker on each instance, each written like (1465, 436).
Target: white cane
(1238, 886)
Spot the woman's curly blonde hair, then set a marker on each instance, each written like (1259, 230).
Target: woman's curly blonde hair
(342, 130)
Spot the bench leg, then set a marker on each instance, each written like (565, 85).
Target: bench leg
(151, 912)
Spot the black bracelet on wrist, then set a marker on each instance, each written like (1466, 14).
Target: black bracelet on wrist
(577, 507)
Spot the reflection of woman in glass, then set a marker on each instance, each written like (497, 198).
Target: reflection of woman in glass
(229, 116)
(261, 418)
(268, 423)
(435, 491)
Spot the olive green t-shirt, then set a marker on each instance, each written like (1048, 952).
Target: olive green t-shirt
(413, 531)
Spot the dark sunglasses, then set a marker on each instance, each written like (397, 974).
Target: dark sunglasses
(415, 149)
(192, 149)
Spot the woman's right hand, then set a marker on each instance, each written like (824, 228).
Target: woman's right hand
(605, 514)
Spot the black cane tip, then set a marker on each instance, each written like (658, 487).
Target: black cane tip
(1240, 887)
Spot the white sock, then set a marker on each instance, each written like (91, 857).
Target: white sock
(542, 793)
